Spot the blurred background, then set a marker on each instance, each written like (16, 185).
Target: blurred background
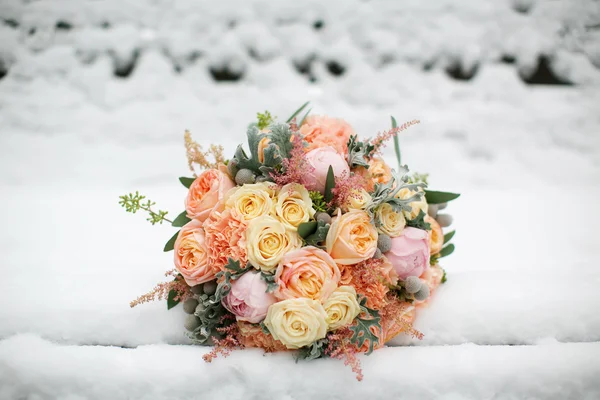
(95, 97)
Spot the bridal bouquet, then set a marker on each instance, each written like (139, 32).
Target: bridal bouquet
(309, 242)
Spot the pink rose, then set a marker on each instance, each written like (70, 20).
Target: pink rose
(410, 252)
(248, 298)
(205, 192)
(321, 131)
(191, 255)
(307, 272)
(320, 159)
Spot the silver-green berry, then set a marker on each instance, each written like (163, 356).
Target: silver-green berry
(432, 210)
(210, 288)
(197, 289)
(244, 176)
(384, 243)
(189, 306)
(378, 254)
(423, 293)
(200, 308)
(323, 216)
(444, 220)
(232, 167)
(412, 284)
(191, 322)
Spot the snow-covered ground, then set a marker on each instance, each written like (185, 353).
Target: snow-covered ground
(77, 129)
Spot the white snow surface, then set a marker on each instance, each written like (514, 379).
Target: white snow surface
(75, 133)
(34, 368)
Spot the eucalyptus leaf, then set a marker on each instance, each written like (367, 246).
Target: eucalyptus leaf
(171, 243)
(329, 185)
(448, 236)
(446, 251)
(307, 228)
(181, 220)
(435, 197)
(185, 181)
(298, 111)
(397, 143)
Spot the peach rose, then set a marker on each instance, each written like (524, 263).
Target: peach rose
(351, 238)
(379, 171)
(320, 160)
(321, 131)
(307, 272)
(191, 256)
(205, 192)
(436, 236)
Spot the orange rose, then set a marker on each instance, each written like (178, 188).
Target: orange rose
(205, 192)
(307, 272)
(351, 238)
(191, 256)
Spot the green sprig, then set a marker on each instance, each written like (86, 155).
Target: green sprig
(264, 119)
(319, 203)
(135, 202)
(361, 329)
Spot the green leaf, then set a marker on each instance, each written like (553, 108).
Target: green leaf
(270, 280)
(298, 111)
(313, 351)
(171, 302)
(329, 185)
(419, 222)
(359, 153)
(181, 220)
(434, 197)
(307, 228)
(397, 144)
(171, 243)
(303, 118)
(362, 327)
(446, 251)
(185, 181)
(448, 236)
(444, 279)
(319, 235)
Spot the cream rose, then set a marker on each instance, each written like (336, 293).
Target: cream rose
(417, 206)
(252, 200)
(267, 241)
(351, 238)
(297, 322)
(389, 221)
(341, 307)
(294, 206)
(307, 272)
(358, 200)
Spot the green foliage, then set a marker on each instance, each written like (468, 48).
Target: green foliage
(359, 153)
(171, 301)
(434, 197)
(444, 279)
(303, 118)
(270, 280)
(419, 222)
(264, 119)
(448, 236)
(387, 192)
(397, 144)
(329, 185)
(362, 327)
(418, 178)
(181, 220)
(185, 181)
(446, 251)
(171, 243)
(307, 228)
(319, 235)
(264, 328)
(233, 270)
(298, 111)
(318, 200)
(312, 352)
(135, 202)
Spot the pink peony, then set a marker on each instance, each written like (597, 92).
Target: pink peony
(205, 192)
(410, 252)
(320, 159)
(191, 255)
(248, 298)
(323, 131)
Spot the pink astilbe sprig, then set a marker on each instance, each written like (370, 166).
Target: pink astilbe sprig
(347, 186)
(295, 168)
(161, 290)
(229, 343)
(339, 347)
(378, 141)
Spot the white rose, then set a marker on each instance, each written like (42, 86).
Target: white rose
(297, 322)
(341, 307)
(294, 205)
(390, 222)
(267, 241)
(251, 200)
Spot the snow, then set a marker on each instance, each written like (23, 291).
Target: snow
(94, 99)
(34, 368)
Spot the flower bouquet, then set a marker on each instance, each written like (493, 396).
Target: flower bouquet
(309, 243)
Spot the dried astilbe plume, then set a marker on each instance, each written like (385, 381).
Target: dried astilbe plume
(296, 168)
(395, 318)
(369, 281)
(348, 186)
(196, 155)
(379, 141)
(161, 291)
(339, 347)
(226, 345)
